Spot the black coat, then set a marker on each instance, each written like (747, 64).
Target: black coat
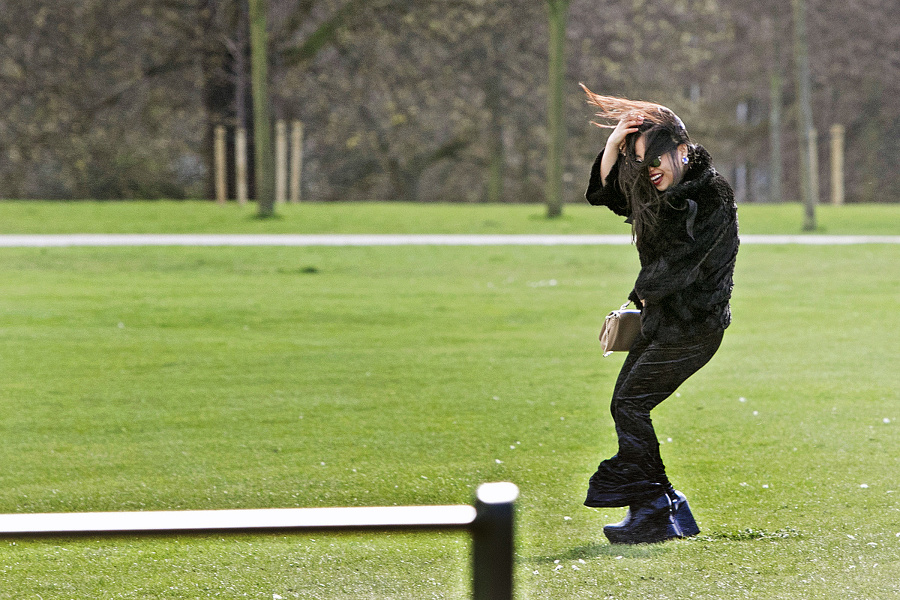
(687, 263)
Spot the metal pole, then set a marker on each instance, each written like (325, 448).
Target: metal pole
(492, 542)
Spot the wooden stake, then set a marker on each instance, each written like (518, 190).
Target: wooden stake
(280, 162)
(221, 181)
(240, 161)
(814, 164)
(296, 159)
(837, 164)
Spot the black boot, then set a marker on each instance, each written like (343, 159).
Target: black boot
(622, 525)
(661, 519)
(683, 516)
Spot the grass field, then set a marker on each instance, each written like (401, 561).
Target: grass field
(194, 378)
(208, 217)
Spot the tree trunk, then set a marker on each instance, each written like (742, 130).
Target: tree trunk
(804, 116)
(776, 94)
(493, 99)
(240, 106)
(262, 135)
(496, 159)
(870, 142)
(216, 89)
(556, 129)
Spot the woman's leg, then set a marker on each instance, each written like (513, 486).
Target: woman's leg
(651, 373)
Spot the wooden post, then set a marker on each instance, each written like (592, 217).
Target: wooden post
(837, 164)
(493, 543)
(814, 164)
(296, 159)
(280, 162)
(240, 161)
(221, 180)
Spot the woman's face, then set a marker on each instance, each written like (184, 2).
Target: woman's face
(663, 173)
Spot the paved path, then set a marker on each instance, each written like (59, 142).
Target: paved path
(133, 239)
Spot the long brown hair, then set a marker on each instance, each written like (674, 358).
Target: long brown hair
(664, 132)
(612, 109)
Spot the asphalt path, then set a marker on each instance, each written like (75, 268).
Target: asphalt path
(150, 239)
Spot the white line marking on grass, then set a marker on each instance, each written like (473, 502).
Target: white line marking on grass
(149, 239)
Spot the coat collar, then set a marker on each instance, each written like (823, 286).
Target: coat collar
(684, 195)
(697, 176)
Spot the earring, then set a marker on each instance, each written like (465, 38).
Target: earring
(685, 160)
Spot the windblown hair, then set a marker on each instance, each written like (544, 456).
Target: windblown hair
(612, 109)
(663, 133)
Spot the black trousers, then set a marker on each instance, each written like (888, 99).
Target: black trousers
(651, 373)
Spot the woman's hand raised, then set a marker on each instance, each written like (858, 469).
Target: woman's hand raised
(627, 124)
(616, 141)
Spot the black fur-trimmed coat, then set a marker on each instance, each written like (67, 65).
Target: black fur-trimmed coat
(687, 263)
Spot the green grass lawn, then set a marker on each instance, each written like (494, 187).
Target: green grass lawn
(208, 217)
(196, 378)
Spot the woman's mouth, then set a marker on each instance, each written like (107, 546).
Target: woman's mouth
(655, 179)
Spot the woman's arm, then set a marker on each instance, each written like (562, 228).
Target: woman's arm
(616, 142)
(603, 188)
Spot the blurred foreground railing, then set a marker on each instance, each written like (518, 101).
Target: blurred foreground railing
(489, 521)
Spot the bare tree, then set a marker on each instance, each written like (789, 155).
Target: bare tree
(805, 120)
(262, 123)
(558, 11)
(431, 100)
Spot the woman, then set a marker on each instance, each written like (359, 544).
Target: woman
(684, 224)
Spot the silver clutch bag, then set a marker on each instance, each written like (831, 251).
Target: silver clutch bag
(620, 330)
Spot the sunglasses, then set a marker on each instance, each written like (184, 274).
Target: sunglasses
(654, 163)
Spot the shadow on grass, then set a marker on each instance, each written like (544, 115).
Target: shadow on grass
(600, 550)
(266, 217)
(546, 218)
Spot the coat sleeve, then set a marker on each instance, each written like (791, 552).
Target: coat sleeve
(609, 195)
